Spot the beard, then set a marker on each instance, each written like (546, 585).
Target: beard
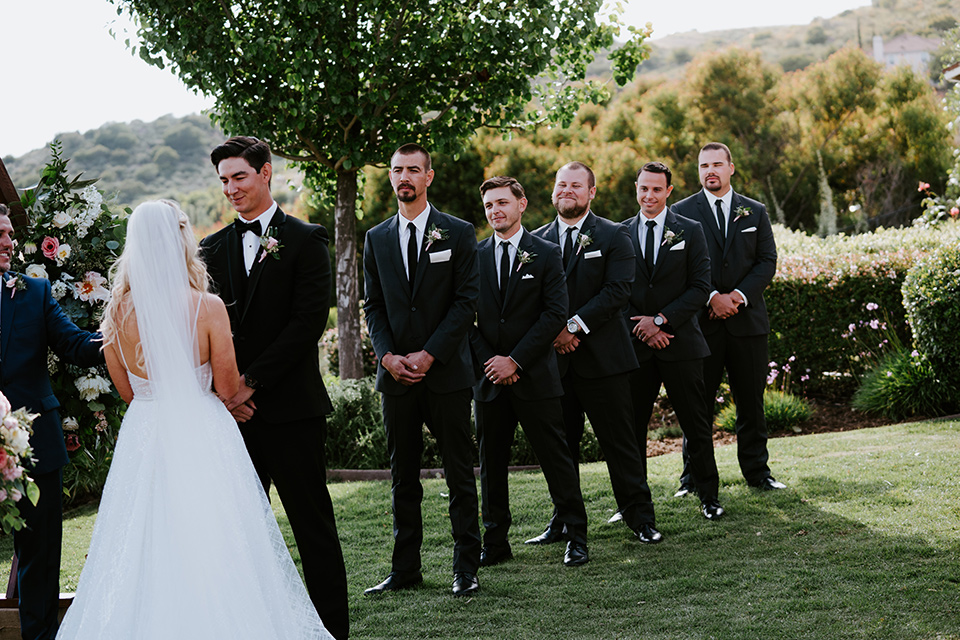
(569, 210)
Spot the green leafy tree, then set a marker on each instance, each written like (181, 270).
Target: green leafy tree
(336, 86)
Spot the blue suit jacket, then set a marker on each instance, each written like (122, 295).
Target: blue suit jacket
(31, 322)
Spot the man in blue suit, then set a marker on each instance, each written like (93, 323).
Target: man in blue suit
(31, 322)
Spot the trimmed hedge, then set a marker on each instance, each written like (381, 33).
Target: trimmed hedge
(822, 289)
(931, 295)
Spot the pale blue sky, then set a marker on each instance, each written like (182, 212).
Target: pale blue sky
(67, 73)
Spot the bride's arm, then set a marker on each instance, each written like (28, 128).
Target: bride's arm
(117, 373)
(223, 359)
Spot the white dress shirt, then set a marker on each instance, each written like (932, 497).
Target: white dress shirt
(643, 230)
(420, 222)
(726, 203)
(251, 241)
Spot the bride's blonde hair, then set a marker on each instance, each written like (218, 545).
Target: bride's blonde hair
(120, 307)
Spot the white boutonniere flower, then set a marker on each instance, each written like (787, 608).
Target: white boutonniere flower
(670, 238)
(525, 257)
(742, 212)
(584, 239)
(435, 234)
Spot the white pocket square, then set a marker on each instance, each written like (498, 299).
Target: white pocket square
(527, 276)
(440, 256)
(750, 230)
(592, 254)
(680, 245)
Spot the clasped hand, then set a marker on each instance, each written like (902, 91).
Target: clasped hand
(725, 305)
(649, 333)
(240, 406)
(501, 370)
(566, 342)
(409, 369)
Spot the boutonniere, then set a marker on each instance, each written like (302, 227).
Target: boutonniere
(583, 240)
(525, 257)
(271, 246)
(16, 283)
(435, 234)
(742, 212)
(670, 238)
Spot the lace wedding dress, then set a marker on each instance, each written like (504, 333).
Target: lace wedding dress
(185, 545)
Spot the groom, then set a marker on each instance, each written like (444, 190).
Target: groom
(273, 273)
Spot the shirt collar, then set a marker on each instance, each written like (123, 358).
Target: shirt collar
(265, 217)
(514, 239)
(420, 222)
(660, 219)
(727, 199)
(562, 226)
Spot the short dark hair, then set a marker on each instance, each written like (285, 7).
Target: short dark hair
(657, 167)
(255, 151)
(503, 181)
(717, 146)
(412, 148)
(591, 179)
(4, 211)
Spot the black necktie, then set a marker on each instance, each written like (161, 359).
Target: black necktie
(648, 245)
(568, 247)
(504, 267)
(243, 226)
(720, 218)
(412, 252)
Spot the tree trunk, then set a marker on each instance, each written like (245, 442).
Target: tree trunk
(348, 289)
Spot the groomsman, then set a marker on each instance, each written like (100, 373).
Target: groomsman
(596, 358)
(523, 304)
(278, 309)
(421, 283)
(672, 285)
(31, 325)
(743, 259)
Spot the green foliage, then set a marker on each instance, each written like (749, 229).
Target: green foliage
(903, 385)
(330, 348)
(823, 286)
(355, 435)
(931, 296)
(782, 411)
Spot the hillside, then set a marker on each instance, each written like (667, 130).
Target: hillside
(796, 46)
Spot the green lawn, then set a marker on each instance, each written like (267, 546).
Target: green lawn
(865, 543)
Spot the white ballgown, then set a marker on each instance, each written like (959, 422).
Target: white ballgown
(185, 545)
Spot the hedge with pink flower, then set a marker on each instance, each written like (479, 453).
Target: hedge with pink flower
(71, 239)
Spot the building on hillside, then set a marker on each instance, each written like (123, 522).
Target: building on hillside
(907, 49)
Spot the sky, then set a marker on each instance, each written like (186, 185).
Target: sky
(63, 71)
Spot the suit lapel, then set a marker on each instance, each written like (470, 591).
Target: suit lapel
(710, 218)
(734, 203)
(424, 260)
(487, 254)
(517, 268)
(669, 224)
(7, 309)
(586, 229)
(259, 261)
(633, 228)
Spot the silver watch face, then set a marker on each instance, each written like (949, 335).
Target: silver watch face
(573, 327)
(657, 320)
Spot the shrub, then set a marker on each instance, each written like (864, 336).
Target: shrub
(330, 348)
(904, 384)
(822, 286)
(781, 409)
(931, 296)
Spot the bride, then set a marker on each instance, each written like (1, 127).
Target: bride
(185, 544)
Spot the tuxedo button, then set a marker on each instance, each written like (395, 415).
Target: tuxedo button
(413, 308)
(502, 320)
(650, 285)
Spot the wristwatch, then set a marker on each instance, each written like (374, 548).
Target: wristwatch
(251, 382)
(572, 326)
(658, 320)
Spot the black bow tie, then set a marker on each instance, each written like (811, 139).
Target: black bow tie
(242, 227)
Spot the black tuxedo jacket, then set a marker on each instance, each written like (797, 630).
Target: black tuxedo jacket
(599, 276)
(678, 288)
(31, 321)
(277, 314)
(435, 314)
(746, 260)
(524, 323)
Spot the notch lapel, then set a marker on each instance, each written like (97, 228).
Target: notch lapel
(633, 228)
(7, 309)
(734, 203)
(589, 223)
(710, 218)
(423, 262)
(517, 268)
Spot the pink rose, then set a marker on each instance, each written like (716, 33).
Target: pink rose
(4, 405)
(73, 442)
(271, 243)
(923, 186)
(954, 212)
(15, 495)
(3, 495)
(49, 247)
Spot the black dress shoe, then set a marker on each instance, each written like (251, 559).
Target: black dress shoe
(465, 584)
(490, 556)
(768, 484)
(550, 536)
(647, 534)
(575, 555)
(685, 489)
(711, 509)
(394, 582)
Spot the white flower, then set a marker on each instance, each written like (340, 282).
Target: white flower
(92, 196)
(36, 271)
(62, 254)
(91, 386)
(70, 424)
(52, 359)
(62, 219)
(29, 248)
(17, 440)
(60, 289)
(4, 405)
(92, 289)
(872, 306)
